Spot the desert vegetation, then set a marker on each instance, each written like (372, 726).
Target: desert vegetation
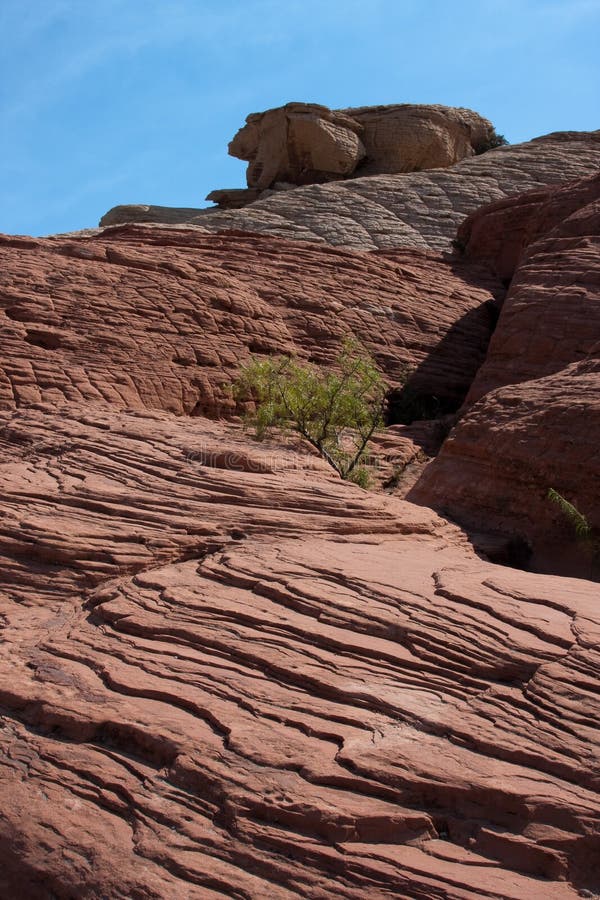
(580, 525)
(495, 140)
(336, 410)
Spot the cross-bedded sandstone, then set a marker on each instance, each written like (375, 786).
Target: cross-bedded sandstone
(158, 318)
(225, 673)
(419, 209)
(532, 417)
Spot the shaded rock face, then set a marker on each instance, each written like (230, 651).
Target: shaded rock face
(154, 318)
(420, 209)
(225, 673)
(303, 143)
(499, 233)
(532, 416)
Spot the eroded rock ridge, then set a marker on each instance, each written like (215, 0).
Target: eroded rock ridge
(532, 416)
(417, 209)
(304, 143)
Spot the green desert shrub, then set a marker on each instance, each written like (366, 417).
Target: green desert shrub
(336, 410)
(494, 140)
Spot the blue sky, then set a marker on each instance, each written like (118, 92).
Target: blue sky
(134, 101)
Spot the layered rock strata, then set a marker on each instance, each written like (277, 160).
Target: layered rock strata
(157, 318)
(421, 209)
(225, 673)
(532, 418)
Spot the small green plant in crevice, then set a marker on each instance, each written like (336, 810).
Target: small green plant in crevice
(490, 143)
(581, 526)
(336, 410)
(584, 532)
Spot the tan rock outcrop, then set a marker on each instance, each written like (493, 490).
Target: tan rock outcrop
(304, 143)
(301, 143)
(412, 138)
(234, 198)
(419, 209)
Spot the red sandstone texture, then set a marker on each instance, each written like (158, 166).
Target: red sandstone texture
(532, 416)
(226, 673)
(162, 318)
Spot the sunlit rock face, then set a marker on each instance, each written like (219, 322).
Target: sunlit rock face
(226, 673)
(149, 317)
(303, 143)
(416, 209)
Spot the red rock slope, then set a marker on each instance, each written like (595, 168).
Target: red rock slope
(161, 318)
(227, 674)
(533, 412)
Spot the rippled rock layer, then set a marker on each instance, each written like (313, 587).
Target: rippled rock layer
(162, 318)
(225, 673)
(532, 417)
(419, 209)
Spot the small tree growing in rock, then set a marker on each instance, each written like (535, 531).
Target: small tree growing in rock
(578, 521)
(337, 411)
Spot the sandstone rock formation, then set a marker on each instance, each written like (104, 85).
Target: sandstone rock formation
(300, 143)
(223, 671)
(533, 419)
(422, 209)
(226, 673)
(158, 318)
(304, 143)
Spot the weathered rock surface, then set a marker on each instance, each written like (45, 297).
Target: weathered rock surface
(225, 673)
(422, 209)
(301, 143)
(159, 318)
(499, 233)
(533, 419)
(304, 143)
(413, 137)
(552, 315)
(234, 198)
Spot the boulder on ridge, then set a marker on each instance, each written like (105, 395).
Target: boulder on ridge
(304, 143)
